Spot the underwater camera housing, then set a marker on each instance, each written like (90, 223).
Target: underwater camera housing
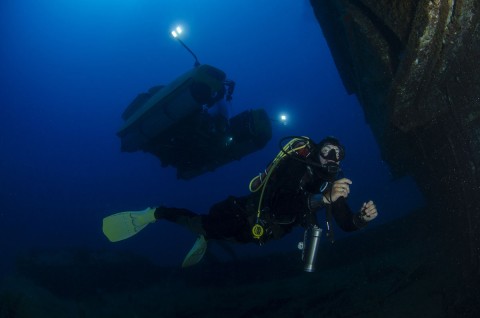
(173, 123)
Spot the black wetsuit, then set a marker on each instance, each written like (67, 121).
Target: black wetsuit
(285, 205)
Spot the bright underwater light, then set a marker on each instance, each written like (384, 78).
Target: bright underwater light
(175, 33)
(283, 118)
(178, 30)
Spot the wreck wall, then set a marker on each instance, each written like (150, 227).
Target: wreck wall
(414, 66)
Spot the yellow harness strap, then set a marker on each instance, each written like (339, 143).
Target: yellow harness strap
(257, 229)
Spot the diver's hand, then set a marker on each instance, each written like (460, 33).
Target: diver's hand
(340, 188)
(368, 211)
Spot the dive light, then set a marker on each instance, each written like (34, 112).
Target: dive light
(176, 35)
(282, 119)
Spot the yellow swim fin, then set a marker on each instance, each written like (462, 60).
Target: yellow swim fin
(123, 225)
(196, 253)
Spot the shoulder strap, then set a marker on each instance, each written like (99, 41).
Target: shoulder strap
(259, 182)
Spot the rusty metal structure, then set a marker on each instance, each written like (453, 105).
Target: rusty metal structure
(415, 67)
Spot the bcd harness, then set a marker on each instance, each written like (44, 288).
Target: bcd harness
(300, 146)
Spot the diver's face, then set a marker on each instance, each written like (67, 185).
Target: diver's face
(329, 154)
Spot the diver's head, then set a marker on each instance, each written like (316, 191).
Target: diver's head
(329, 153)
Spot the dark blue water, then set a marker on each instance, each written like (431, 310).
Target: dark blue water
(69, 68)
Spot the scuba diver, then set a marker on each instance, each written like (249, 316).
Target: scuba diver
(302, 180)
(186, 125)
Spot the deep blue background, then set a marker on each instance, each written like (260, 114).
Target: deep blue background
(69, 68)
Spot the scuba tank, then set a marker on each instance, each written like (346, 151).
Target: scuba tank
(310, 247)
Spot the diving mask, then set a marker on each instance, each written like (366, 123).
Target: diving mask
(330, 153)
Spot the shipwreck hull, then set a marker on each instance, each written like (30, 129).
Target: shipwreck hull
(414, 66)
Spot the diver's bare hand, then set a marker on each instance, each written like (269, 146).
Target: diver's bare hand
(368, 211)
(340, 188)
